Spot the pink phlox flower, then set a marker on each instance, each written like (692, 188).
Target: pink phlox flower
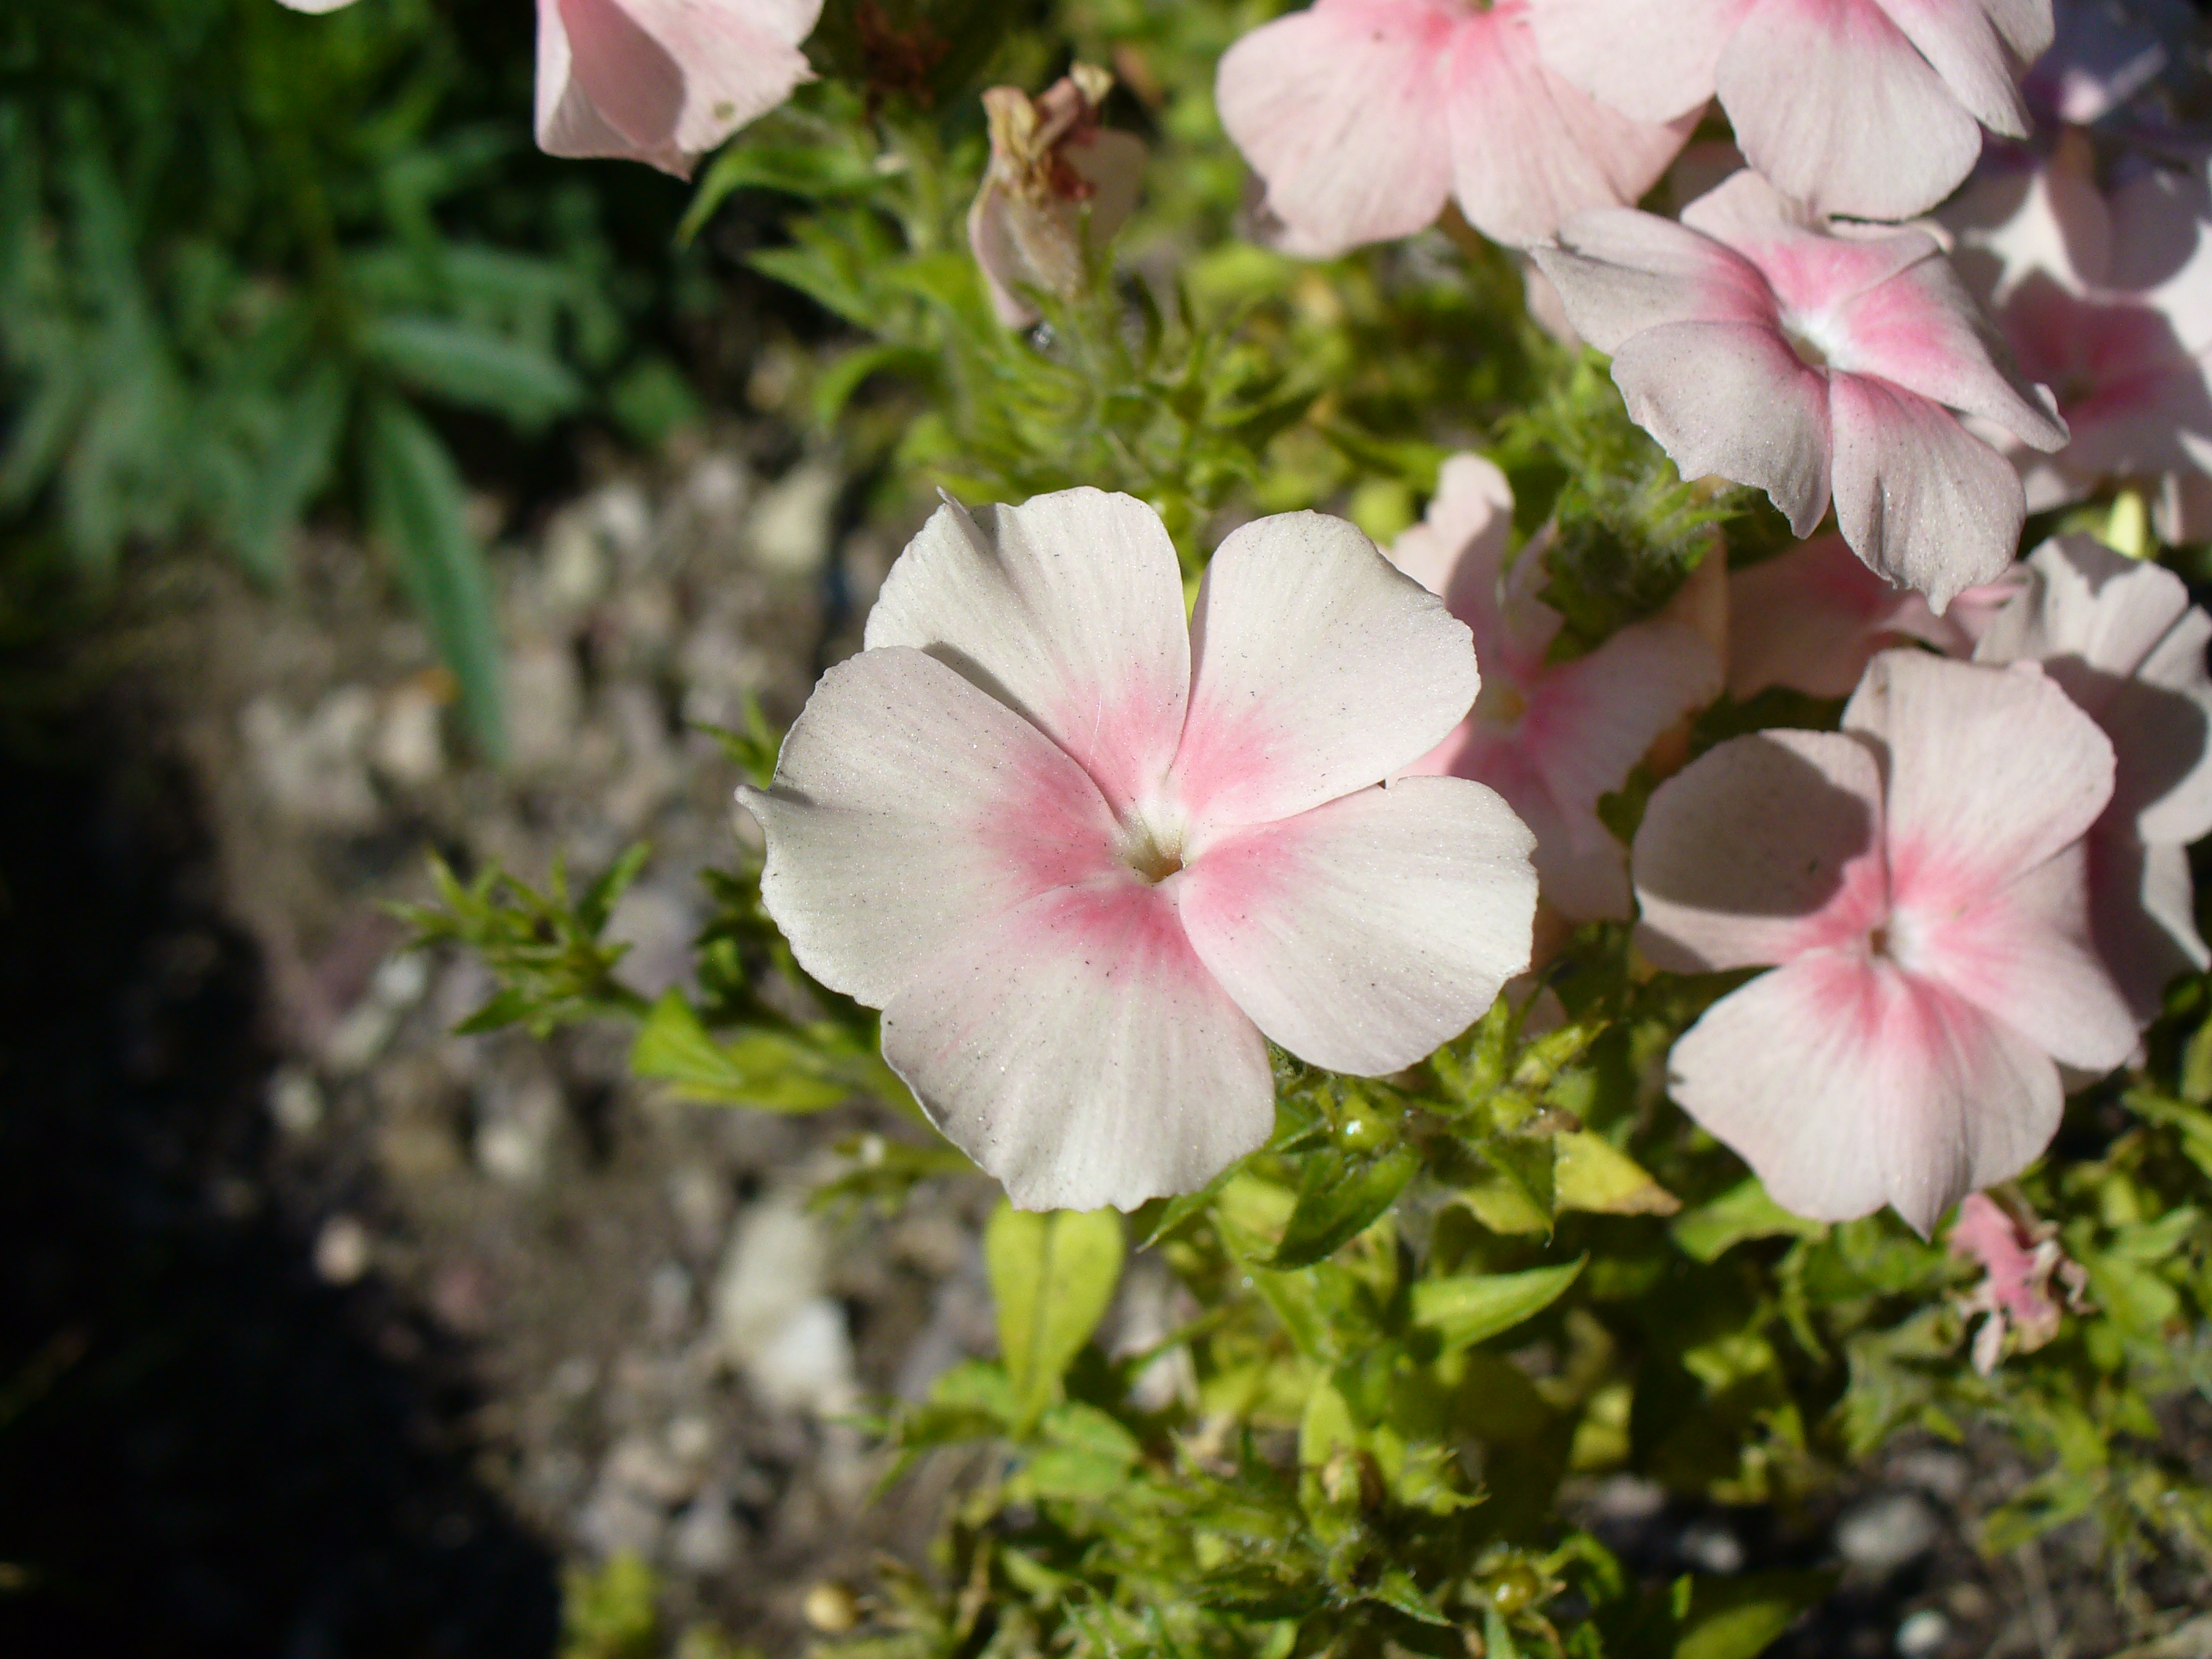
(1083, 853)
(2019, 1260)
(2124, 641)
(2109, 299)
(1872, 108)
(1919, 885)
(1814, 367)
(1058, 188)
(664, 81)
(661, 81)
(1812, 618)
(1550, 737)
(1365, 117)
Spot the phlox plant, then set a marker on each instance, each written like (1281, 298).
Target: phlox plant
(1470, 1252)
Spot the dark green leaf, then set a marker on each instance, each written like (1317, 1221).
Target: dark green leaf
(1473, 1308)
(1340, 1193)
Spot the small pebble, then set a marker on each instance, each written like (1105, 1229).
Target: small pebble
(1922, 1635)
(295, 1101)
(1880, 1534)
(831, 1609)
(1712, 1549)
(342, 1249)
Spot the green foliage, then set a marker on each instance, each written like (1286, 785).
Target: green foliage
(241, 250)
(1431, 1301)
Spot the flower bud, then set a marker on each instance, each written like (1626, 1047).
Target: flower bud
(1058, 188)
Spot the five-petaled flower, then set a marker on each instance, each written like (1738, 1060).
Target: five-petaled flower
(1550, 737)
(1814, 366)
(1919, 883)
(1083, 853)
(1872, 108)
(2109, 299)
(1364, 117)
(2124, 641)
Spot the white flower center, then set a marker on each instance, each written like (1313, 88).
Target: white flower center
(1152, 844)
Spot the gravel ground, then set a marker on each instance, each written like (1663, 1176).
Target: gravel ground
(329, 1333)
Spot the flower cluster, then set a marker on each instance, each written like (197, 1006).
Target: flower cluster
(1089, 859)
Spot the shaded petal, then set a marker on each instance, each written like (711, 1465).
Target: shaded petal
(2160, 722)
(318, 6)
(1964, 44)
(1812, 617)
(1763, 847)
(1653, 60)
(2123, 641)
(906, 806)
(1917, 497)
(1078, 1051)
(1619, 271)
(2143, 906)
(2012, 221)
(1363, 934)
(1319, 669)
(1810, 270)
(1831, 102)
(1733, 399)
(1528, 148)
(2021, 953)
(1458, 553)
(1342, 110)
(1990, 767)
(1589, 723)
(1846, 1085)
(663, 80)
(1067, 609)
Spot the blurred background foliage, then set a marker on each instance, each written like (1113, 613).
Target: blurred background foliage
(255, 264)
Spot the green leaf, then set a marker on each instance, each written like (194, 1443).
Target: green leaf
(416, 506)
(768, 1069)
(810, 170)
(470, 365)
(1473, 1308)
(1592, 1174)
(1744, 1212)
(1340, 1193)
(294, 471)
(1053, 1276)
(1396, 1589)
(1744, 1616)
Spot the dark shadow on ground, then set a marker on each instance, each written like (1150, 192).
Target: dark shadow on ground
(204, 1449)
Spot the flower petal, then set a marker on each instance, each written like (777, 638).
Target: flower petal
(1528, 148)
(1964, 44)
(1732, 399)
(1847, 1084)
(1342, 110)
(1067, 609)
(1764, 846)
(1620, 272)
(1994, 766)
(2021, 953)
(1363, 934)
(1917, 497)
(906, 806)
(1076, 1048)
(1588, 721)
(1831, 102)
(1319, 670)
(2143, 908)
(1920, 330)
(1812, 617)
(663, 80)
(1458, 553)
(1652, 59)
